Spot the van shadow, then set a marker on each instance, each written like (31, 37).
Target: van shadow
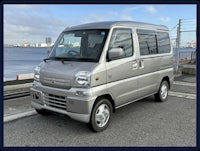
(65, 123)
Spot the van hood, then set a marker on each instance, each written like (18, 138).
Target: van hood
(62, 75)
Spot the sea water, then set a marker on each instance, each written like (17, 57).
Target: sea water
(23, 60)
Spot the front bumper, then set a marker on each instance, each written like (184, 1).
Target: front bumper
(76, 102)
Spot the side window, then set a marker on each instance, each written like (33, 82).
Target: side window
(122, 38)
(147, 42)
(163, 42)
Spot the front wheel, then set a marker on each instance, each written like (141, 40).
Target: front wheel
(163, 91)
(101, 115)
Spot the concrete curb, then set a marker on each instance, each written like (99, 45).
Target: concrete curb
(11, 117)
(186, 69)
(18, 86)
(15, 82)
(177, 75)
(189, 69)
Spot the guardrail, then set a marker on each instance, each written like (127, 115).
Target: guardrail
(187, 57)
(16, 95)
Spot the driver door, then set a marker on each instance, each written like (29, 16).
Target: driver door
(121, 81)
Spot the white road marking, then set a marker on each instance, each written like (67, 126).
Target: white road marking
(184, 83)
(8, 118)
(11, 117)
(182, 95)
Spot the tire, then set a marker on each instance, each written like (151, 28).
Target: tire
(163, 91)
(42, 112)
(101, 115)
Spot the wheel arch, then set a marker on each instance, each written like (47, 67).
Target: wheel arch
(166, 78)
(106, 96)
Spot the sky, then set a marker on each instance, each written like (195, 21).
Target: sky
(35, 22)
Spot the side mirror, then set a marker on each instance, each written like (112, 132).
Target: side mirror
(115, 53)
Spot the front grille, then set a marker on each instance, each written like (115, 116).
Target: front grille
(55, 82)
(55, 101)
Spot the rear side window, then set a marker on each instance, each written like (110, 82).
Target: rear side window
(151, 42)
(163, 42)
(147, 42)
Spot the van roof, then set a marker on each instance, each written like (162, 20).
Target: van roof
(109, 24)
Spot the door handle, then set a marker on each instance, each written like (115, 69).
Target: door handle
(135, 65)
(141, 64)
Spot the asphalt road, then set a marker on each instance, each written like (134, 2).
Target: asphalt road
(143, 123)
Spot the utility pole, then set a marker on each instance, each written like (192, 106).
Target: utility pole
(178, 40)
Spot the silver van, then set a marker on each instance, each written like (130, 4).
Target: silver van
(95, 68)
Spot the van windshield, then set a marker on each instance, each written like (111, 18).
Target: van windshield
(81, 45)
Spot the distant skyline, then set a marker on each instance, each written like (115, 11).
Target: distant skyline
(34, 23)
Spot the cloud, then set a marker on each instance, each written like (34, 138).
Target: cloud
(151, 9)
(126, 13)
(130, 9)
(165, 19)
(107, 16)
(126, 17)
(35, 22)
(30, 23)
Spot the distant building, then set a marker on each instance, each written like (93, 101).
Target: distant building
(26, 43)
(43, 45)
(192, 43)
(40, 45)
(48, 40)
(37, 45)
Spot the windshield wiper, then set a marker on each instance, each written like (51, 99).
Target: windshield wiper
(50, 58)
(62, 59)
(87, 59)
(45, 60)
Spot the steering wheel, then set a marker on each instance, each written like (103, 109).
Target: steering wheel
(72, 53)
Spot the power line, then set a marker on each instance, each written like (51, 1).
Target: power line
(174, 27)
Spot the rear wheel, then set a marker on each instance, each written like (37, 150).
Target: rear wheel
(101, 115)
(163, 91)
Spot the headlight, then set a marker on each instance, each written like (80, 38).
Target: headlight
(37, 74)
(83, 78)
